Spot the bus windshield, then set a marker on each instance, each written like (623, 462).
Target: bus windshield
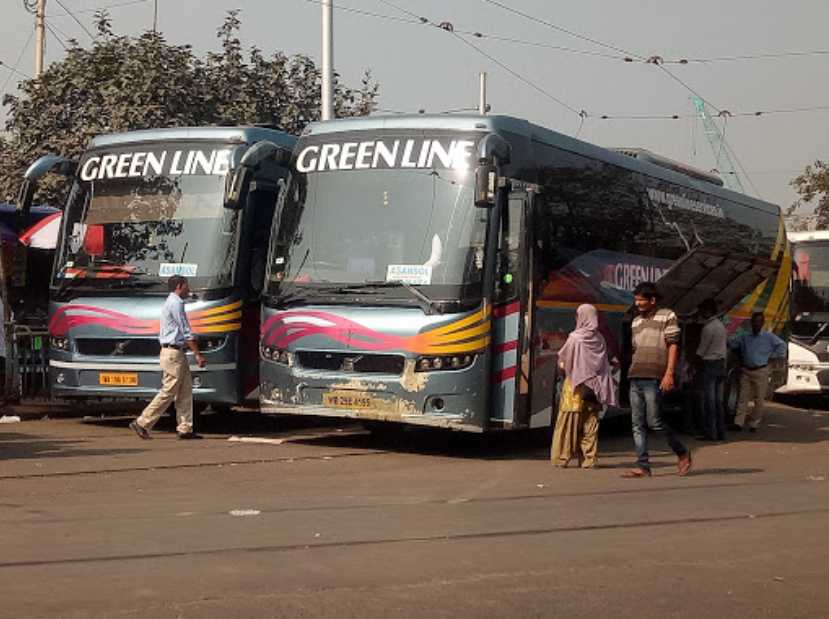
(387, 228)
(810, 293)
(139, 230)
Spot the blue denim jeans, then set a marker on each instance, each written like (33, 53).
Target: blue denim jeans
(713, 381)
(644, 404)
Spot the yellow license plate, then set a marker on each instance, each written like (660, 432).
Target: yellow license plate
(359, 401)
(118, 379)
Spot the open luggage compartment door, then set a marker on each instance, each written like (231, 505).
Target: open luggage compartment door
(706, 273)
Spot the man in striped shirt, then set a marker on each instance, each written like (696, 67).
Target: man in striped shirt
(655, 353)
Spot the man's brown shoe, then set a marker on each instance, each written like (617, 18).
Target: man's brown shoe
(636, 473)
(139, 430)
(684, 463)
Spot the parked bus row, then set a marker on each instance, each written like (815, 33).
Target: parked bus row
(421, 269)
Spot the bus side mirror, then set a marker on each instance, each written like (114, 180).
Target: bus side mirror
(40, 168)
(485, 182)
(251, 158)
(234, 182)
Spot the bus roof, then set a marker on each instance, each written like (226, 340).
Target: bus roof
(813, 235)
(241, 135)
(536, 133)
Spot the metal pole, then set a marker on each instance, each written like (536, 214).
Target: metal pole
(327, 111)
(482, 98)
(40, 36)
(155, 16)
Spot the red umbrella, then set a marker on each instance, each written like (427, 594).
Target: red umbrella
(44, 234)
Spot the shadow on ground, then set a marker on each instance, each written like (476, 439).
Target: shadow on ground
(18, 446)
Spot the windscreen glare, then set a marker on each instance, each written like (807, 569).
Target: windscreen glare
(141, 214)
(381, 209)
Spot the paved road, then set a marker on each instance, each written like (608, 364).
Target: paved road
(329, 521)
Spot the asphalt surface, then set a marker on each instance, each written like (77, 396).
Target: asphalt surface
(329, 521)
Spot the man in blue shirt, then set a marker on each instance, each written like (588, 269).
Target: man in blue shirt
(176, 385)
(755, 348)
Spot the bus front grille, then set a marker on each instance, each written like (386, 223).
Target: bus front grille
(358, 363)
(130, 347)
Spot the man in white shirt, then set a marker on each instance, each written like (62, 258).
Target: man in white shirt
(712, 350)
(174, 335)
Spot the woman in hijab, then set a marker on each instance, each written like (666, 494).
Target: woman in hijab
(588, 387)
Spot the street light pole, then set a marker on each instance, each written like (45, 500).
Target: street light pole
(327, 111)
(40, 36)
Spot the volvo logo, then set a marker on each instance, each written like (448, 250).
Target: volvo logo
(348, 363)
(120, 348)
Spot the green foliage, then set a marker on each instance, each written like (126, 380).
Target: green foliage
(123, 83)
(813, 188)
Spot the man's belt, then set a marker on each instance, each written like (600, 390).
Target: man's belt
(756, 367)
(173, 346)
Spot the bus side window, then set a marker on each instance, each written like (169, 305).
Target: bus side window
(509, 269)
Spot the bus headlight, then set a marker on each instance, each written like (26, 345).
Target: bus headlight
(443, 363)
(59, 343)
(277, 355)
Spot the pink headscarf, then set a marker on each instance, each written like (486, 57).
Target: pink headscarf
(584, 357)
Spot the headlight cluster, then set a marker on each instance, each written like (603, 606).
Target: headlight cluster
(802, 367)
(272, 353)
(443, 362)
(210, 343)
(59, 343)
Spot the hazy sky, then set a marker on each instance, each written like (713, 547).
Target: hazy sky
(420, 67)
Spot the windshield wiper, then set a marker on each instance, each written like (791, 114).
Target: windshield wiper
(427, 305)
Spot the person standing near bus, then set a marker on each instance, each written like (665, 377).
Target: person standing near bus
(712, 351)
(588, 387)
(655, 354)
(176, 384)
(755, 348)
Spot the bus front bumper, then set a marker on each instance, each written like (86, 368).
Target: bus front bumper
(806, 379)
(214, 384)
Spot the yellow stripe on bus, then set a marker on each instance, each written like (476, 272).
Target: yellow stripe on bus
(460, 324)
(781, 238)
(225, 328)
(214, 319)
(212, 311)
(464, 334)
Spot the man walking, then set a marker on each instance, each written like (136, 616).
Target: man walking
(655, 354)
(712, 351)
(176, 385)
(755, 349)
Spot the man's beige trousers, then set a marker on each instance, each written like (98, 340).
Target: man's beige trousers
(176, 387)
(754, 386)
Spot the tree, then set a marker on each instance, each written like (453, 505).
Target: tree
(122, 83)
(813, 188)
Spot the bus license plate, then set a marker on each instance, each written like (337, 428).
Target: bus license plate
(118, 379)
(359, 401)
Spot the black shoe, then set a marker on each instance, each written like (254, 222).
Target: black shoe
(722, 437)
(735, 428)
(189, 436)
(141, 432)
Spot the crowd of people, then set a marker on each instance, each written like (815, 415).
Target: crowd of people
(589, 387)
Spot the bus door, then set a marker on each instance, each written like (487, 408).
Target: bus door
(511, 354)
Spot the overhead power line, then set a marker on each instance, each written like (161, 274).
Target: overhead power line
(14, 69)
(736, 58)
(74, 17)
(562, 29)
(106, 7)
(448, 27)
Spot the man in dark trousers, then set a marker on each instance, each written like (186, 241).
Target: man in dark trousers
(712, 352)
(176, 385)
(655, 354)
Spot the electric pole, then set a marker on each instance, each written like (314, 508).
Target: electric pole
(327, 111)
(40, 36)
(155, 16)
